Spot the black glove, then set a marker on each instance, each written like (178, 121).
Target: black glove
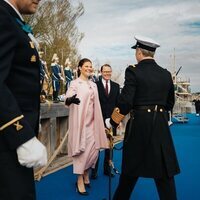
(71, 100)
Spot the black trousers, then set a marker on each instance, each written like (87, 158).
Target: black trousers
(16, 181)
(165, 187)
(56, 89)
(106, 166)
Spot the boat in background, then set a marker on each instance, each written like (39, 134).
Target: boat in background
(183, 96)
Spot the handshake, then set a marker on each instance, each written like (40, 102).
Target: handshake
(110, 123)
(71, 100)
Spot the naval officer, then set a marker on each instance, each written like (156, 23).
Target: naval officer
(148, 149)
(20, 150)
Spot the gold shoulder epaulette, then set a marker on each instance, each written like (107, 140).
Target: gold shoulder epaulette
(132, 66)
(116, 116)
(14, 122)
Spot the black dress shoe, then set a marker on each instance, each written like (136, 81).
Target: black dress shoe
(81, 193)
(109, 174)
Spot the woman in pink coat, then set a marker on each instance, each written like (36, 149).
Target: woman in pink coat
(86, 126)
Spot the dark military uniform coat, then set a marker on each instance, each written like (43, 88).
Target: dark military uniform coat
(148, 147)
(19, 103)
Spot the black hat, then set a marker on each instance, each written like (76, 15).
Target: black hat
(145, 43)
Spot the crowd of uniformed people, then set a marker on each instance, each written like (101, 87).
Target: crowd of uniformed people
(55, 78)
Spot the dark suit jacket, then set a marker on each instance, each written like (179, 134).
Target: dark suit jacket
(108, 103)
(19, 82)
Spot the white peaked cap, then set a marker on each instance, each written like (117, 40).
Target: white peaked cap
(145, 43)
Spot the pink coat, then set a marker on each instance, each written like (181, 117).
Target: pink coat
(77, 114)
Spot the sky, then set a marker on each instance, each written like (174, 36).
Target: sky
(109, 28)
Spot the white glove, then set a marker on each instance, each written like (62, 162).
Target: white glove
(107, 122)
(32, 153)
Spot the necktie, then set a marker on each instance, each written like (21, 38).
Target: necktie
(106, 88)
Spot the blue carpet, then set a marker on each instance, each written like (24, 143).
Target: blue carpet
(61, 185)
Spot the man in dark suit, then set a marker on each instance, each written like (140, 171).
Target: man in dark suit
(108, 93)
(20, 150)
(148, 149)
